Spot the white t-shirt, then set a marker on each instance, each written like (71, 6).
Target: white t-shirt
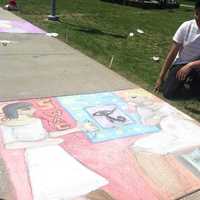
(188, 34)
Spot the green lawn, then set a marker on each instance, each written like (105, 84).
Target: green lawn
(188, 2)
(99, 29)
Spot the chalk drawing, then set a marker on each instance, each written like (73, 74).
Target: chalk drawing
(18, 26)
(109, 113)
(111, 145)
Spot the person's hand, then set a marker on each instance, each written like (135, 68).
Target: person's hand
(158, 85)
(183, 72)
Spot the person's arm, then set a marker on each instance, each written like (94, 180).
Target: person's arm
(64, 132)
(184, 71)
(32, 144)
(85, 127)
(175, 47)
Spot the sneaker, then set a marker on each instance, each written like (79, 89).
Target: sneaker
(10, 7)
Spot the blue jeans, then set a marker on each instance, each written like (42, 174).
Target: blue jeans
(188, 88)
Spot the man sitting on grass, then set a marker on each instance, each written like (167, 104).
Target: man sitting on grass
(11, 6)
(180, 74)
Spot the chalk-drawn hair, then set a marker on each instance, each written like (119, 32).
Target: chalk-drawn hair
(10, 110)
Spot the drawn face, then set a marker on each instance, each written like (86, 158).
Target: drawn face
(27, 112)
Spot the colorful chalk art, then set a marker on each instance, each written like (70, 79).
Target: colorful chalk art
(18, 26)
(122, 145)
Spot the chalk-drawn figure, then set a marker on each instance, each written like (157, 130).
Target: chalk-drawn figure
(21, 129)
(151, 112)
(177, 133)
(108, 115)
(54, 174)
(19, 123)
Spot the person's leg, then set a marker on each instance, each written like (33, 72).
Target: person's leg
(172, 86)
(195, 84)
(188, 88)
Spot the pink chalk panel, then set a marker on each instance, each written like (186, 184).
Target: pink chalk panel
(18, 26)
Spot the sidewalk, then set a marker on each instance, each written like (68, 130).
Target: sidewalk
(36, 65)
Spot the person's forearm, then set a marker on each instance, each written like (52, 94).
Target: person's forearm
(169, 60)
(64, 132)
(195, 65)
(167, 64)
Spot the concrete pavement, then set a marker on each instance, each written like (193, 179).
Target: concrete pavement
(36, 65)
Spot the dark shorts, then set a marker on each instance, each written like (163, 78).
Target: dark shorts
(188, 88)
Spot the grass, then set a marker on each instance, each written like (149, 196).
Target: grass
(100, 29)
(188, 2)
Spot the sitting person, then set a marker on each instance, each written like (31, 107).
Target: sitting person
(180, 74)
(11, 6)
